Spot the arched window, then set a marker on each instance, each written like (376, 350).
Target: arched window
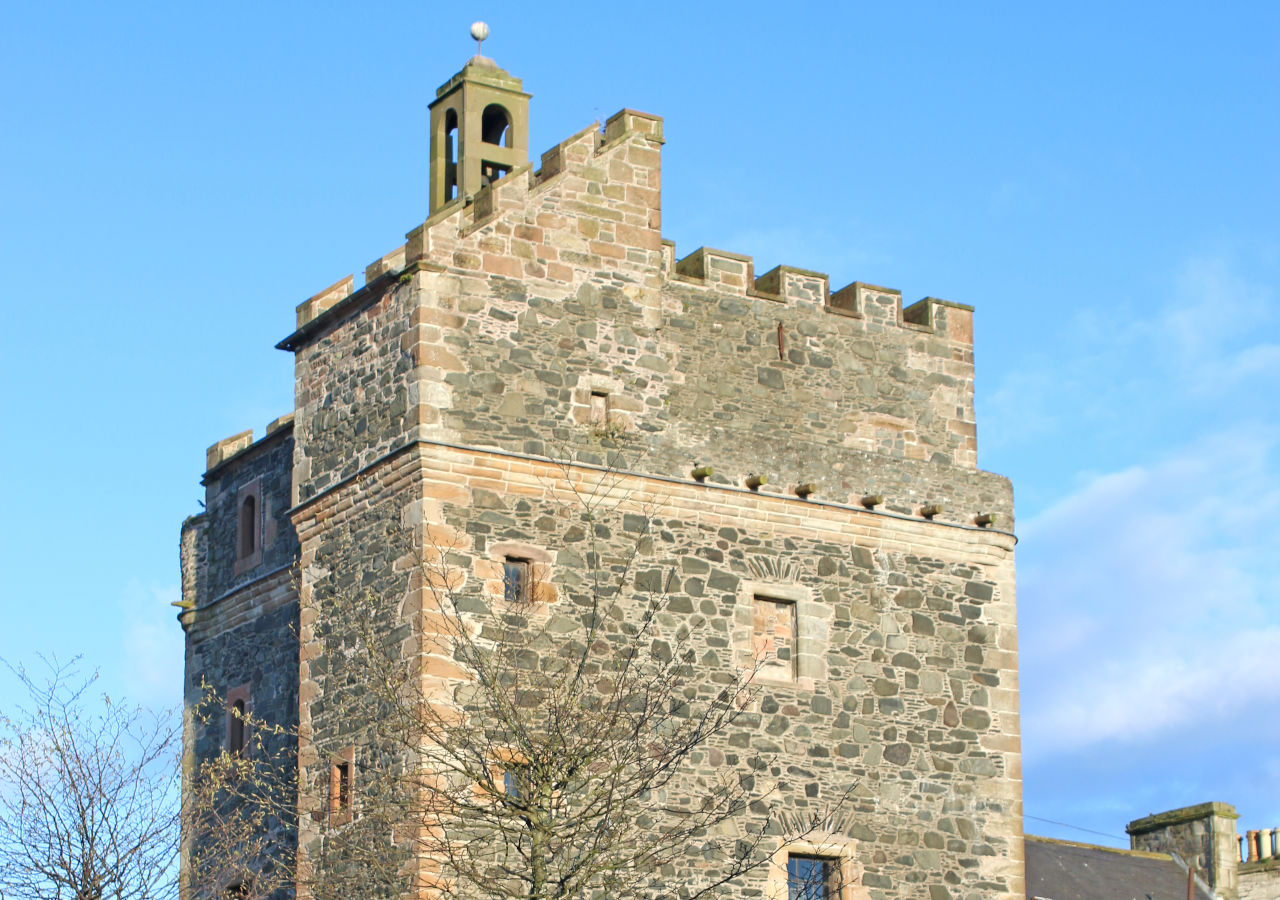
(248, 526)
(235, 727)
(495, 126)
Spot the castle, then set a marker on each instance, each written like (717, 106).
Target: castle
(808, 455)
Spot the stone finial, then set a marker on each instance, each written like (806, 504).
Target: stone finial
(479, 31)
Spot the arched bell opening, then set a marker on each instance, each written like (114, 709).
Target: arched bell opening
(495, 126)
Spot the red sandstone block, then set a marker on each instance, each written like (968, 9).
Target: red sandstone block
(607, 250)
(502, 265)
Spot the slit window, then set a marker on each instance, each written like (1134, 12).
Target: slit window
(340, 789)
(451, 155)
(248, 526)
(516, 580)
(775, 628)
(236, 727)
(812, 878)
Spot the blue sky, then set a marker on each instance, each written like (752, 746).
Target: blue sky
(1100, 180)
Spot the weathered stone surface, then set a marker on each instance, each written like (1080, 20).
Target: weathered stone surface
(458, 398)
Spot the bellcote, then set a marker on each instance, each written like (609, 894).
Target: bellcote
(479, 130)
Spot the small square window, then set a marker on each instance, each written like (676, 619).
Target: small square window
(813, 878)
(775, 627)
(599, 414)
(516, 580)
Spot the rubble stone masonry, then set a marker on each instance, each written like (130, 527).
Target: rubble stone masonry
(493, 362)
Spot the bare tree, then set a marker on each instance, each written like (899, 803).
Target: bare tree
(88, 794)
(93, 804)
(560, 757)
(239, 807)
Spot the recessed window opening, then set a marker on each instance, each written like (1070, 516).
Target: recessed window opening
(495, 126)
(812, 878)
(235, 727)
(516, 580)
(248, 526)
(775, 627)
(340, 788)
(515, 782)
(599, 408)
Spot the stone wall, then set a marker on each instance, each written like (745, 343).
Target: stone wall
(906, 677)
(1204, 836)
(264, 468)
(555, 285)
(240, 608)
(1260, 880)
(245, 647)
(336, 718)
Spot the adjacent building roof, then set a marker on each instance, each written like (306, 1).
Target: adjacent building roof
(1064, 870)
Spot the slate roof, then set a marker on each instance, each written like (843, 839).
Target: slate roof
(1064, 870)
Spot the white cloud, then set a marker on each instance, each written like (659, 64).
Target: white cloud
(1148, 598)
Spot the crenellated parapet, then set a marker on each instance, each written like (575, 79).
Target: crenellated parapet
(517, 261)
(723, 270)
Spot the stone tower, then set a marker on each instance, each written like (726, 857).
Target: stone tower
(836, 506)
(479, 130)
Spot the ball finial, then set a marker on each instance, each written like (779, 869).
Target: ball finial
(479, 31)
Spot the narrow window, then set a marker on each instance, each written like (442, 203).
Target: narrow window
(235, 727)
(812, 878)
(514, 783)
(516, 587)
(775, 627)
(599, 416)
(248, 526)
(340, 789)
(451, 155)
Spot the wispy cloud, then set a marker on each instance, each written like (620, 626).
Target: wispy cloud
(1148, 598)
(1202, 351)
